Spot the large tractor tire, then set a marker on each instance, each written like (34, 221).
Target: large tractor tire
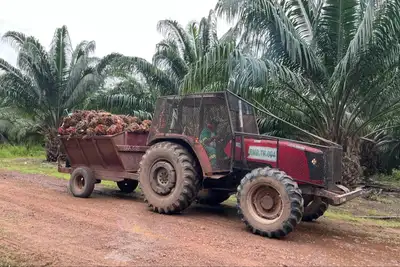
(212, 197)
(127, 186)
(168, 178)
(82, 181)
(314, 207)
(269, 202)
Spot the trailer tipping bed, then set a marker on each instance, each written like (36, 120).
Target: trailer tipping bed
(110, 157)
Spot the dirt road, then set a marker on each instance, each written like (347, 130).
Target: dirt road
(42, 224)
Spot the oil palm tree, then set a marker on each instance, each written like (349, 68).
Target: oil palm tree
(181, 48)
(328, 66)
(127, 94)
(46, 83)
(175, 56)
(16, 127)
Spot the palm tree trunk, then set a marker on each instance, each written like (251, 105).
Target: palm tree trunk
(369, 158)
(52, 145)
(351, 166)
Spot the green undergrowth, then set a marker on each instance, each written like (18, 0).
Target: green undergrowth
(394, 177)
(11, 151)
(392, 180)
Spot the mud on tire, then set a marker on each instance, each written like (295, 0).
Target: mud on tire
(169, 178)
(82, 181)
(314, 207)
(269, 202)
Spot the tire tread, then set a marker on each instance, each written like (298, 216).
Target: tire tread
(314, 211)
(90, 181)
(295, 196)
(191, 179)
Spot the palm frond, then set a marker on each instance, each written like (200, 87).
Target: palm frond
(172, 29)
(14, 39)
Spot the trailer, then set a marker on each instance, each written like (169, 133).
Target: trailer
(206, 147)
(110, 157)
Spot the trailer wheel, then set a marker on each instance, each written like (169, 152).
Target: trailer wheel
(127, 186)
(314, 207)
(269, 202)
(81, 183)
(212, 197)
(169, 178)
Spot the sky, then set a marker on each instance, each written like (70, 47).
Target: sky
(127, 27)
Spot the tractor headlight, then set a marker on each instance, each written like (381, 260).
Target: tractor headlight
(314, 161)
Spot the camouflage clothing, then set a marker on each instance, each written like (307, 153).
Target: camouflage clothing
(205, 135)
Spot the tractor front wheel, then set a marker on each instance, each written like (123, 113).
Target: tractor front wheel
(127, 186)
(314, 207)
(269, 202)
(168, 178)
(81, 183)
(212, 197)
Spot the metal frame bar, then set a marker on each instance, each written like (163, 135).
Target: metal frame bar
(270, 137)
(233, 139)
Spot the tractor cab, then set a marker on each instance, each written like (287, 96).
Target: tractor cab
(194, 118)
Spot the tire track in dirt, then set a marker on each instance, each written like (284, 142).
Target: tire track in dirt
(47, 208)
(44, 224)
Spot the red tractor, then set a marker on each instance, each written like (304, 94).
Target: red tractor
(206, 147)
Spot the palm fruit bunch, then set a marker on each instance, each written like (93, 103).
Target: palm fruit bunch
(87, 123)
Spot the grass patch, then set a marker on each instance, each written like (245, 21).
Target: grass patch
(10, 151)
(337, 214)
(32, 166)
(7, 263)
(38, 165)
(392, 180)
(385, 200)
(8, 260)
(231, 201)
(31, 160)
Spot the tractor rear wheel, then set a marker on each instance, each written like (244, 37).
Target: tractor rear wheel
(314, 207)
(127, 186)
(81, 183)
(269, 202)
(212, 197)
(168, 178)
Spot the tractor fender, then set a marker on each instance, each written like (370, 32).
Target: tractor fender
(195, 148)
